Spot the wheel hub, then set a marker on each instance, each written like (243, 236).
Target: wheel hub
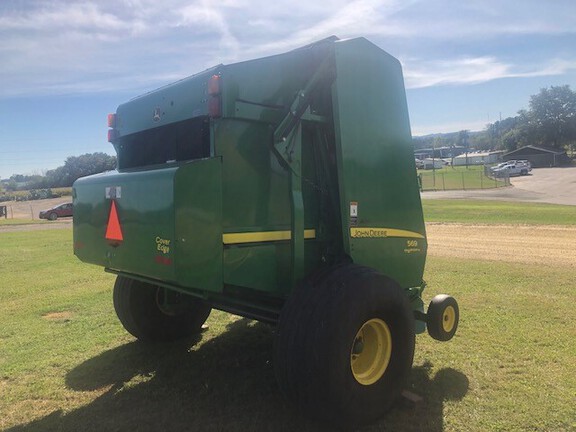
(448, 319)
(371, 351)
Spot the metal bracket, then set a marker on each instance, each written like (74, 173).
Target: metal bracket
(287, 146)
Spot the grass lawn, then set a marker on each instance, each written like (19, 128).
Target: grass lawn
(450, 178)
(66, 363)
(498, 212)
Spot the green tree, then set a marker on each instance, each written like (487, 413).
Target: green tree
(552, 116)
(80, 166)
(11, 185)
(481, 140)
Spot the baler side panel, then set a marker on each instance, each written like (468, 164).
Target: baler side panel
(170, 220)
(376, 169)
(144, 206)
(198, 224)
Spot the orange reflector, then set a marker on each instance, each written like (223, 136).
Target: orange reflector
(112, 121)
(214, 85)
(214, 99)
(215, 107)
(112, 135)
(113, 230)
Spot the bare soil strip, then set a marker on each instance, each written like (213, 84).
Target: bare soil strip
(539, 245)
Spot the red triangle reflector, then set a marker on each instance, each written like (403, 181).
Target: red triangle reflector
(113, 230)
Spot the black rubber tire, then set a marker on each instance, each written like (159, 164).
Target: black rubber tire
(52, 216)
(524, 172)
(137, 308)
(316, 332)
(435, 317)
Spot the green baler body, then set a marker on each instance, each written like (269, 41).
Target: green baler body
(240, 222)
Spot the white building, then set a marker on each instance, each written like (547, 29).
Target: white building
(478, 158)
(430, 163)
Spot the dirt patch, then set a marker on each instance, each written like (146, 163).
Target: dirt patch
(63, 316)
(540, 245)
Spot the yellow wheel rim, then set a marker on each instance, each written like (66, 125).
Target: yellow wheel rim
(371, 351)
(448, 319)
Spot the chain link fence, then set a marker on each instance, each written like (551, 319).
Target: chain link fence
(456, 178)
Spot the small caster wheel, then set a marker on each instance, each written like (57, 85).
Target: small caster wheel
(442, 317)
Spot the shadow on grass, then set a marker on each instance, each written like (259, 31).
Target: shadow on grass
(225, 384)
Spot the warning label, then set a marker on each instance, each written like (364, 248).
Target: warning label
(353, 213)
(114, 192)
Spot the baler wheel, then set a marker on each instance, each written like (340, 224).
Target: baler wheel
(345, 345)
(139, 308)
(442, 317)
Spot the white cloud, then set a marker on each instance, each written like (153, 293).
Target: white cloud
(348, 19)
(482, 20)
(204, 15)
(433, 128)
(61, 16)
(63, 46)
(421, 73)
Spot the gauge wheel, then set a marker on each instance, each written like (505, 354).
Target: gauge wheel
(442, 317)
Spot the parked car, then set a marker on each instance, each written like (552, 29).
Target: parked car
(499, 166)
(62, 210)
(511, 170)
(523, 164)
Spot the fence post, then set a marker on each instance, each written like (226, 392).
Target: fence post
(463, 184)
(481, 180)
(443, 183)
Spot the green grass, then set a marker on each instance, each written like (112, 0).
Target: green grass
(498, 212)
(458, 178)
(4, 221)
(66, 363)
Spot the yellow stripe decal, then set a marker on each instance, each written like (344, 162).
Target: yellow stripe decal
(263, 236)
(383, 233)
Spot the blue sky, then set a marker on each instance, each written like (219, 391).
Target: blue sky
(64, 64)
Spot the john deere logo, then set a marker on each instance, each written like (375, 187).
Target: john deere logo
(157, 114)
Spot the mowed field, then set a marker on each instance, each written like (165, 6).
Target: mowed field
(66, 364)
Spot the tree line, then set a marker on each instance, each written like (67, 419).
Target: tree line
(550, 121)
(74, 167)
